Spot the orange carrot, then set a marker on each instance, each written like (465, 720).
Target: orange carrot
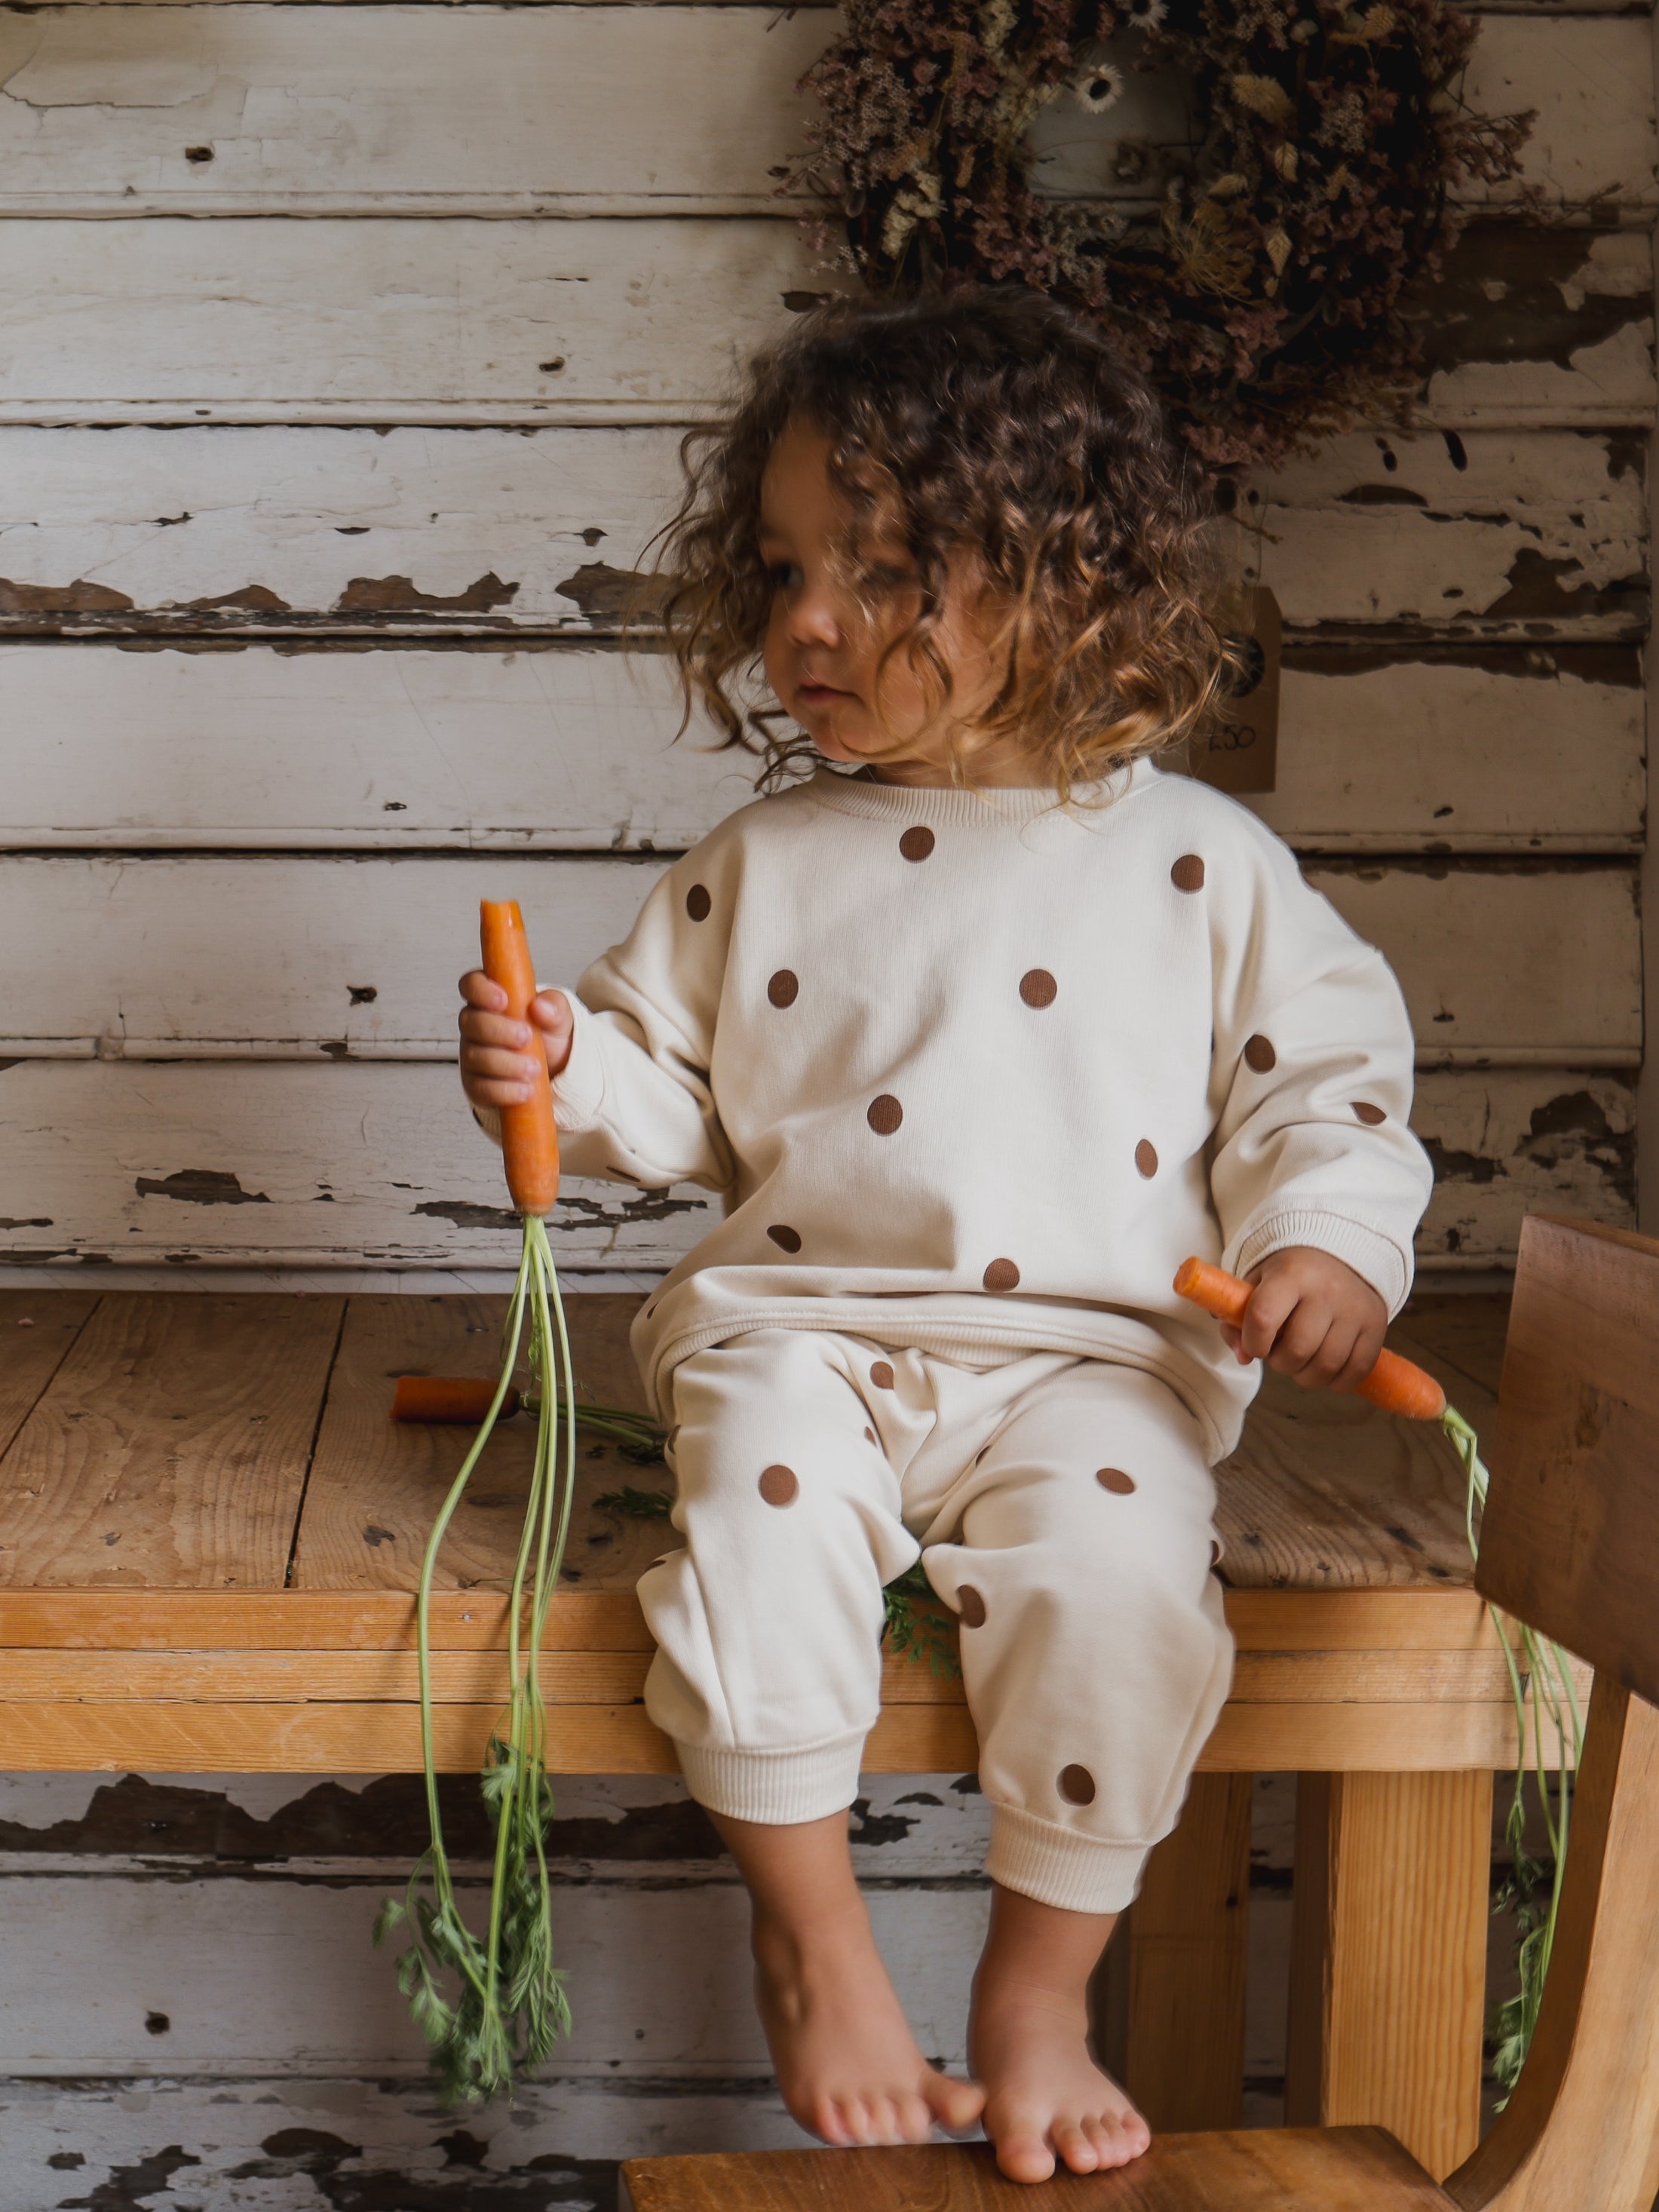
(1394, 1384)
(447, 1398)
(530, 1139)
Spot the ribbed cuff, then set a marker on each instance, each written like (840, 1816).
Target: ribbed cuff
(1060, 1866)
(777, 1788)
(1378, 1259)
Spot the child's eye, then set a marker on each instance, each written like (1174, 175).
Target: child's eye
(785, 575)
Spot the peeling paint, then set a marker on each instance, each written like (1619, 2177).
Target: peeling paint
(383, 595)
(128, 2187)
(200, 1187)
(1521, 294)
(79, 598)
(610, 596)
(467, 1216)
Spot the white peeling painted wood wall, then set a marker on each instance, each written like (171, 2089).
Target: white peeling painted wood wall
(316, 537)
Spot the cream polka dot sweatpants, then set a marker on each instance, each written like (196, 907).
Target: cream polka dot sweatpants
(1060, 1506)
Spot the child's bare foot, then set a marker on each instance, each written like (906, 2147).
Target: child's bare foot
(1046, 2100)
(847, 2061)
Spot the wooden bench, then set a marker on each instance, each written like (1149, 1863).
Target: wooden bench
(211, 1532)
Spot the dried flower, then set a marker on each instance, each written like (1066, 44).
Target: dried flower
(1098, 90)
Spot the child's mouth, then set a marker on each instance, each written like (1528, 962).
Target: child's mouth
(819, 694)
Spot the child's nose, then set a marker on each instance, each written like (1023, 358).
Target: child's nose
(814, 619)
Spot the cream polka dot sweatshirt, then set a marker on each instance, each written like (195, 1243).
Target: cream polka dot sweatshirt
(975, 1073)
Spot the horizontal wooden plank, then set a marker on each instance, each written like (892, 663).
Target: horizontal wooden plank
(36, 1334)
(1530, 326)
(310, 1163)
(321, 1739)
(379, 110)
(380, 320)
(1505, 962)
(1350, 1679)
(174, 1621)
(1507, 1142)
(424, 320)
(1499, 534)
(1588, 81)
(235, 1159)
(275, 531)
(1501, 962)
(569, 747)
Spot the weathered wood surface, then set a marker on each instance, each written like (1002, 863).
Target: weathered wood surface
(513, 110)
(1501, 963)
(421, 320)
(1541, 327)
(564, 749)
(386, 110)
(382, 319)
(35, 1338)
(358, 532)
(1387, 1975)
(1589, 89)
(1497, 534)
(241, 1160)
(170, 1447)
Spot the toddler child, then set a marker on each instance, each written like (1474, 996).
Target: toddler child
(977, 1031)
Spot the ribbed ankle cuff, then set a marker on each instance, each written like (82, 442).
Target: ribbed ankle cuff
(777, 1788)
(1058, 1866)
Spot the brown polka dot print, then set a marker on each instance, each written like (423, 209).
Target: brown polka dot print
(1259, 1054)
(917, 844)
(1077, 1785)
(869, 1436)
(698, 904)
(1369, 1115)
(1001, 1275)
(1146, 1158)
(783, 1234)
(779, 1485)
(1038, 987)
(884, 1114)
(970, 1606)
(1188, 873)
(784, 988)
(882, 1376)
(1115, 1479)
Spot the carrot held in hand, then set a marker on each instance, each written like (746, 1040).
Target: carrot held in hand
(530, 1138)
(1394, 1384)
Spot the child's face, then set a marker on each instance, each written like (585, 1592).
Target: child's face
(838, 600)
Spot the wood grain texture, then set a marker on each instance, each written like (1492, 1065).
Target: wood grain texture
(376, 1484)
(356, 958)
(407, 1180)
(288, 531)
(1350, 2170)
(570, 748)
(272, 1738)
(382, 319)
(1595, 2052)
(171, 1447)
(492, 110)
(418, 320)
(1388, 1978)
(36, 1335)
(1571, 1535)
(308, 1164)
(1189, 1943)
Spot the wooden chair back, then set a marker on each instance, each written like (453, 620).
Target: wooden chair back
(1570, 1544)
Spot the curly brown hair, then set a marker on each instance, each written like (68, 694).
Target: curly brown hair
(989, 424)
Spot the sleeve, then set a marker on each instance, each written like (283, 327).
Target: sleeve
(634, 1101)
(1314, 1057)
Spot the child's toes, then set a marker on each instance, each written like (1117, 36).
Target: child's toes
(1074, 2146)
(829, 2120)
(913, 2119)
(954, 2104)
(1107, 2141)
(1024, 2155)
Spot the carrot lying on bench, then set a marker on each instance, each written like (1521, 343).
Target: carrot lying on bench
(1540, 1675)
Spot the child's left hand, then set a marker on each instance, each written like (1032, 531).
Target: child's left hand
(1311, 1318)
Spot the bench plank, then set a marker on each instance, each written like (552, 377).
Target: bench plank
(36, 1334)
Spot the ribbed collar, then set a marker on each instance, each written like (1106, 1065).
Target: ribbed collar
(947, 804)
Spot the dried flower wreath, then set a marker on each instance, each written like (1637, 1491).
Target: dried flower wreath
(1256, 272)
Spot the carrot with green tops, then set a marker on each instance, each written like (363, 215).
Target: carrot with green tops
(1540, 1677)
(1397, 1385)
(491, 2004)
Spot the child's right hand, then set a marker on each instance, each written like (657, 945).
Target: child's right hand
(496, 1066)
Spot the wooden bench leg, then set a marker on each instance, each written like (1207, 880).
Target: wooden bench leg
(1172, 2009)
(1389, 1957)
